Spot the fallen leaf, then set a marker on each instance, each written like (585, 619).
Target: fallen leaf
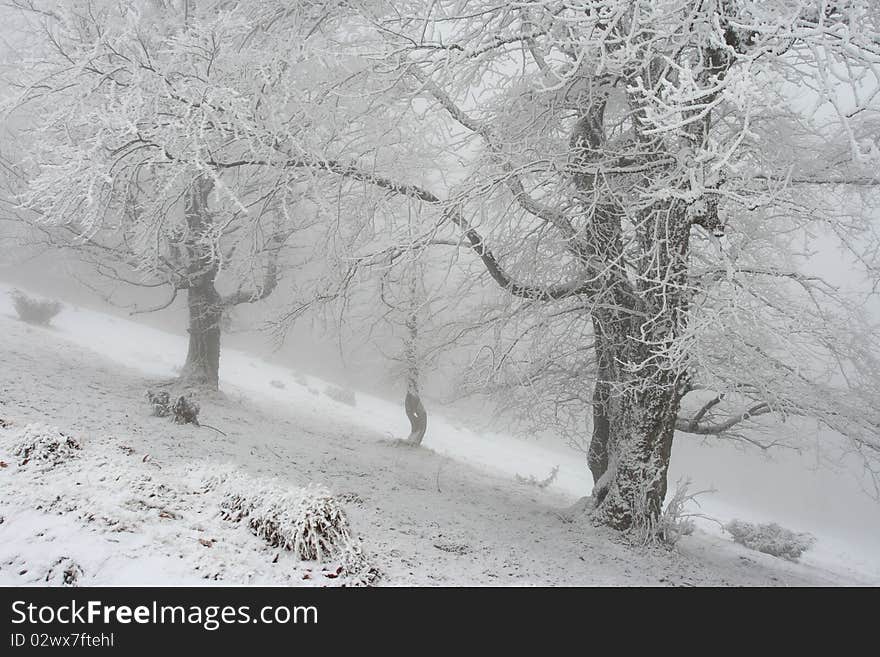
(206, 542)
(333, 574)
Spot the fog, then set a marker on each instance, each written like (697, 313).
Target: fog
(582, 288)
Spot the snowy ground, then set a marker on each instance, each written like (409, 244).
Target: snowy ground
(130, 508)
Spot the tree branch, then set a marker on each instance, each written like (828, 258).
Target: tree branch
(692, 425)
(453, 213)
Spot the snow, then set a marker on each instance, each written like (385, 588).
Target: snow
(131, 508)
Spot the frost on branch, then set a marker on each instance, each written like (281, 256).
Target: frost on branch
(771, 538)
(309, 522)
(41, 443)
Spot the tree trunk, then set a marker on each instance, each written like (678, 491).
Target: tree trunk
(202, 366)
(418, 417)
(415, 411)
(640, 425)
(597, 456)
(638, 390)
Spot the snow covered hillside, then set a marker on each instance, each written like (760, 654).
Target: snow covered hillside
(135, 504)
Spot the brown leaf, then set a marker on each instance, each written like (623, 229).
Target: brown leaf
(166, 514)
(4, 464)
(207, 542)
(333, 574)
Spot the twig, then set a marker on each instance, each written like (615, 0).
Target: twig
(208, 426)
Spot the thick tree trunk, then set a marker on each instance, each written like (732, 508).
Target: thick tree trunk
(202, 366)
(640, 429)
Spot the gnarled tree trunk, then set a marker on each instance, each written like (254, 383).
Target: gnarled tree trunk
(638, 390)
(638, 439)
(415, 410)
(418, 417)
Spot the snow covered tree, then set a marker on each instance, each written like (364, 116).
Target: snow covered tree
(634, 173)
(125, 108)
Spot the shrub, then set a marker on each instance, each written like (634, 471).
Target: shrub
(35, 311)
(186, 411)
(673, 522)
(160, 402)
(531, 480)
(342, 395)
(183, 410)
(770, 538)
(44, 444)
(310, 523)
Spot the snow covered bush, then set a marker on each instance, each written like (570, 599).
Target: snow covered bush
(770, 538)
(673, 523)
(310, 522)
(531, 480)
(342, 395)
(357, 568)
(185, 411)
(41, 443)
(160, 402)
(35, 311)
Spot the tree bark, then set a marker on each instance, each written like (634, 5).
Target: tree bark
(641, 425)
(597, 456)
(202, 366)
(638, 391)
(415, 410)
(418, 417)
